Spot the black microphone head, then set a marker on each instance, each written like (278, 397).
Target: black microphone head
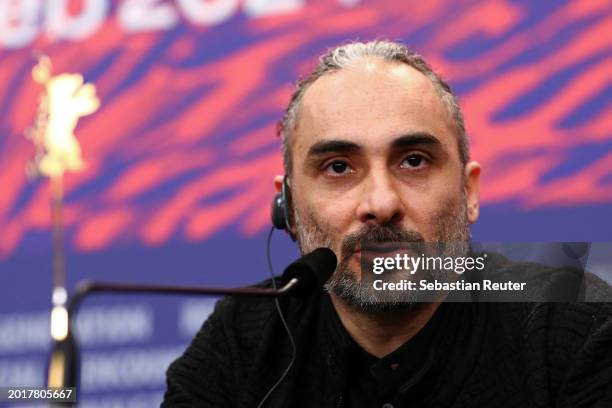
(312, 270)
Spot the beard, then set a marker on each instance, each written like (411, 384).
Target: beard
(450, 238)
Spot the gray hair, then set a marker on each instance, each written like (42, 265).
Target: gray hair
(342, 56)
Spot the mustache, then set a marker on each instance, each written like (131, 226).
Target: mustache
(372, 234)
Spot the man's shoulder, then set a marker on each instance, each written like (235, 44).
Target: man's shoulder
(541, 282)
(558, 335)
(562, 321)
(565, 345)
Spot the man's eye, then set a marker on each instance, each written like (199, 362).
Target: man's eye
(337, 168)
(414, 161)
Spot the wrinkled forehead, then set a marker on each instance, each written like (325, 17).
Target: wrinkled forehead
(370, 102)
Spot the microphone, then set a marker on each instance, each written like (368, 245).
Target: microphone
(311, 271)
(303, 276)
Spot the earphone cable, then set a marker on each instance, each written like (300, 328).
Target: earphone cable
(282, 318)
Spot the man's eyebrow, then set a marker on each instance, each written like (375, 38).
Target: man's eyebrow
(345, 146)
(414, 139)
(333, 146)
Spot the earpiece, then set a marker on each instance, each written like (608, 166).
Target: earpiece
(280, 208)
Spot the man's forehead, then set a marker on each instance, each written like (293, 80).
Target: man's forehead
(372, 100)
(372, 71)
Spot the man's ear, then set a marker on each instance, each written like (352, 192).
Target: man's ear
(472, 190)
(278, 183)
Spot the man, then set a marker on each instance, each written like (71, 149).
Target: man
(375, 151)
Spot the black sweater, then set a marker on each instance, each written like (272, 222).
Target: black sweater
(483, 355)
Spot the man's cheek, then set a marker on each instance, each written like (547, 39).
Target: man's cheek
(424, 222)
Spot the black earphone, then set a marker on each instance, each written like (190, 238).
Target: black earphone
(280, 208)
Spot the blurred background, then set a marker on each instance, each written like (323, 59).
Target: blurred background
(180, 155)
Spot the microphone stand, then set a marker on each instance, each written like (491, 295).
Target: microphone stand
(308, 272)
(64, 362)
(86, 288)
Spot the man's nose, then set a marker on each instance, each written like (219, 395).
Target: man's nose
(381, 201)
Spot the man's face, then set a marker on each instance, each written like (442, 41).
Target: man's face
(375, 158)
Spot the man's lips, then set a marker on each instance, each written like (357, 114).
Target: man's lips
(383, 250)
(381, 247)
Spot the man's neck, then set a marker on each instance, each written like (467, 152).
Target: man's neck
(381, 334)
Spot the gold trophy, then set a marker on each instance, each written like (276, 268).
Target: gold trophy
(64, 100)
